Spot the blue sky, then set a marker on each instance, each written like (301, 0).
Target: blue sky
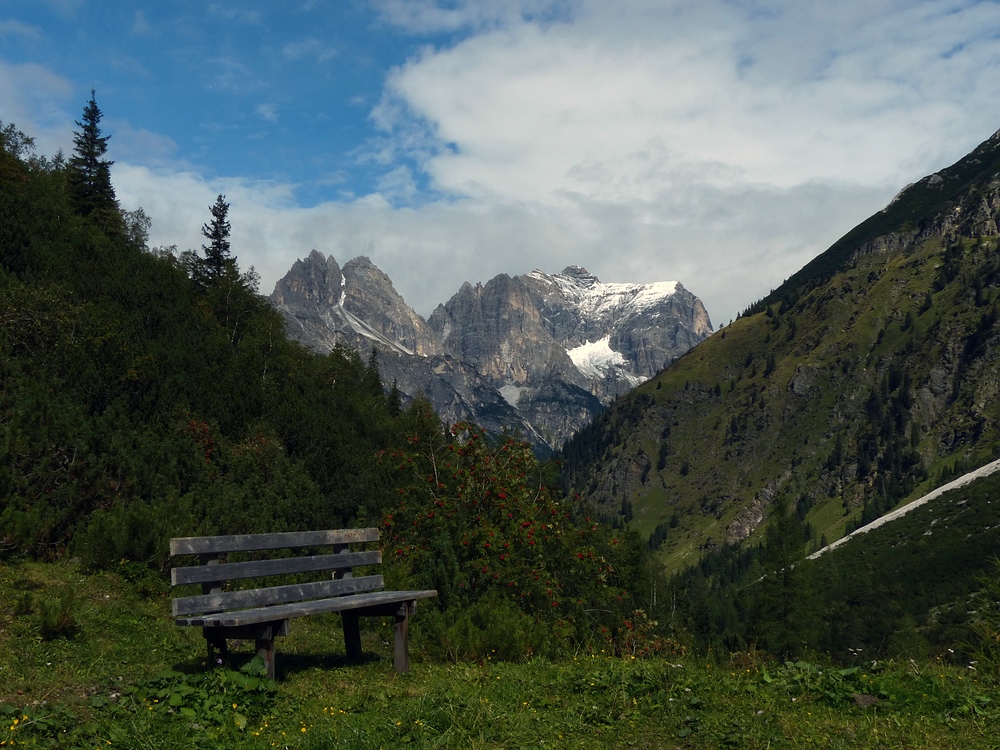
(268, 91)
(722, 143)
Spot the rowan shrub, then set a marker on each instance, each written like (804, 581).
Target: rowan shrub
(477, 520)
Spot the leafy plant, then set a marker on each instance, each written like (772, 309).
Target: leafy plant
(218, 697)
(807, 680)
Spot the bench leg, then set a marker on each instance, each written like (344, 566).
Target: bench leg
(218, 651)
(400, 646)
(265, 650)
(352, 636)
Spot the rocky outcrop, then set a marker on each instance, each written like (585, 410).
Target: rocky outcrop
(372, 300)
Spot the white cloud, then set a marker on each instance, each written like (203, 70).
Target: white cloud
(13, 28)
(229, 73)
(65, 8)
(235, 13)
(309, 47)
(139, 145)
(268, 112)
(140, 25)
(729, 258)
(429, 16)
(398, 186)
(730, 143)
(34, 99)
(607, 109)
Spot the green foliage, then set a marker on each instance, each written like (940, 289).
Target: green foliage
(218, 698)
(873, 397)
(217, 251)
(490, 628)
(14, 143)
(803, 679)
(101, 688)
(985, 621)
(919, 207)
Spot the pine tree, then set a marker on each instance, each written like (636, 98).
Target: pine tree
(217, 254)
(395, 400)
(90, 173)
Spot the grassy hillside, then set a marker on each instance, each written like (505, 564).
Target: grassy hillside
(870, 384)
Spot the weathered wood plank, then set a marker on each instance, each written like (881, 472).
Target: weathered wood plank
(196, 545)
(252, 598)
(388, 602)
(261, 568)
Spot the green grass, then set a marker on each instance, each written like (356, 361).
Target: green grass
(128, 678)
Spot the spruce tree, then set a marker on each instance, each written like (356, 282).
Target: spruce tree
(217, 254)
(89, 171)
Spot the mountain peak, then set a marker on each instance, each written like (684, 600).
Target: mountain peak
(581, 275)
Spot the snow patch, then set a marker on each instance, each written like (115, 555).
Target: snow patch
(511, 393)
(595, 359)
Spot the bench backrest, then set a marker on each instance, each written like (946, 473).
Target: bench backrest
(211, 573)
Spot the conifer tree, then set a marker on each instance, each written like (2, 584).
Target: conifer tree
(217, 253)
(90, 172)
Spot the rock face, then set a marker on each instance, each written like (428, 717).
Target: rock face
(356, 307)
(538, 353)
(605, 338)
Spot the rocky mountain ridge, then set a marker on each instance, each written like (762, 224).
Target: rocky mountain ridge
(541, 354)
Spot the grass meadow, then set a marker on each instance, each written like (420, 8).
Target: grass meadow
(94, 661)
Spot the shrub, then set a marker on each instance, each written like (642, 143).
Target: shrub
(57, 618)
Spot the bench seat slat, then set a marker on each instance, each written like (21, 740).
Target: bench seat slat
(261, 568)
(375, 599)
(249, 598)
(197, 545)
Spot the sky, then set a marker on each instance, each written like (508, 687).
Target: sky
(719, 143)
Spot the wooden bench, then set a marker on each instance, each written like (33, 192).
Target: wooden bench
(263, 613)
